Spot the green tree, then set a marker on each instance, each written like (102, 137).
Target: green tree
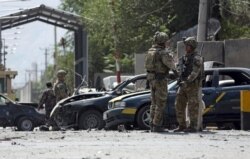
(235, 19)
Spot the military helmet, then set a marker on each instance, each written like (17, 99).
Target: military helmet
(61, 73)
(191, 41)
(160, 37)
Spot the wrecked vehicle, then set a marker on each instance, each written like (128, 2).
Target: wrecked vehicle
(23, 116)
(221, 89)
(85, 111)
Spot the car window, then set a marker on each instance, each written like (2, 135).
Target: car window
(233, 78)
(136, 86)
(3, 100)
(208, 80)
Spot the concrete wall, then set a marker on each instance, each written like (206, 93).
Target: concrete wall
(139, 63)
(212, 51)
(237, 53)
(234, 53)
(25, 93)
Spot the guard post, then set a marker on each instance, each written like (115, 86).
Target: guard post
(245, 109)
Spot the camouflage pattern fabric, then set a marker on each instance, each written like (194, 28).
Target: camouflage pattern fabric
(158, 82)
(49, 100)
(189, 94)
(158, 100)
(60, 90)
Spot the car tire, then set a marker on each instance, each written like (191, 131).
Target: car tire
(143, 118)
(237, 126)
(91, 119)
(25, 124)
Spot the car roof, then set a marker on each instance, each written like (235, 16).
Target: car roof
(229, 68)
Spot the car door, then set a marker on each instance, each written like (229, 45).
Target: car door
(5, 112)
(209, 90)
(210, 94)
(228, 107)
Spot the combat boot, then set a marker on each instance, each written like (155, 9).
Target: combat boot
(151, 126)
(158, 129)
(180, 129)
(44, 128)
(190, 130)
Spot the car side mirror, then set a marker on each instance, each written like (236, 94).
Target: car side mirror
(16, 99)
(118, 92)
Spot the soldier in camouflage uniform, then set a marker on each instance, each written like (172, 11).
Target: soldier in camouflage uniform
(49, 100)
(158, 63)
(191, 67)
(61, 92)
(60, 87)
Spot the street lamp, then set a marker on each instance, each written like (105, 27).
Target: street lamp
(6, 18)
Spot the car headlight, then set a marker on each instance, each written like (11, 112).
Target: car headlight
(119, 104)
(116, 104)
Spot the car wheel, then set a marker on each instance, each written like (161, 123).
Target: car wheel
(237, 126)
(143, 118)
(91, 119)
(25, 124)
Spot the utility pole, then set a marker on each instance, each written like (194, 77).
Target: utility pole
(1, 42)
(46, 59)
(55, 51)
(117, 53)
(202, 21)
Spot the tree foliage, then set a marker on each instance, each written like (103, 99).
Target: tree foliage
(235, 19)
(127, 26)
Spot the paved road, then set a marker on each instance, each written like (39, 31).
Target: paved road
(124, 145)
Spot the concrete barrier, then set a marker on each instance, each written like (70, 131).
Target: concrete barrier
(237, 52)
(245, 109)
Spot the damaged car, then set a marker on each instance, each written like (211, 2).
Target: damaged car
(24, 116)
(84, 111)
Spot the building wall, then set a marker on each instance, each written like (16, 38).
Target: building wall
(25, 93)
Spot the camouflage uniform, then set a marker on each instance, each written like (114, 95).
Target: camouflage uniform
(157, 78)
(188, 93)
(60, 87)
(61, 92)
(49, 100)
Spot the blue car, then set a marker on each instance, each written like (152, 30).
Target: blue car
(24, 116)
(221, 90)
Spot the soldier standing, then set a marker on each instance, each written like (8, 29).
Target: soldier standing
(191, 70)
(49, 100)
(60, 87)
(158, 63)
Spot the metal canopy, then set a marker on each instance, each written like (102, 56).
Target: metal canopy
(57, 18)
(45, 14)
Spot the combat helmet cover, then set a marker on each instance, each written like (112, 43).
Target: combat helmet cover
(160, 37)
(191, 41)
(61, 73)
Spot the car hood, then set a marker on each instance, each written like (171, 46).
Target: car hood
(68, 99)
(129, 95)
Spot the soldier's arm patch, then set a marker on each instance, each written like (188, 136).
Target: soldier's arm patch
(198, 60)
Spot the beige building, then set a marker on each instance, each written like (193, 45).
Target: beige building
(5, 81)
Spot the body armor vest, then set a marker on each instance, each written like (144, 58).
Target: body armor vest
(187, 62)
(154, 62)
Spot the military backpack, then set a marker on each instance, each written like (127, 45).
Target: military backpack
(150, 59)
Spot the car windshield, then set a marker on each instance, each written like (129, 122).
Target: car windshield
(120, 84)
(4, 100)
